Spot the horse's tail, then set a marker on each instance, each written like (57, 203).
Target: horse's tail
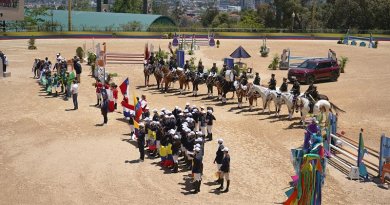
(337, 109)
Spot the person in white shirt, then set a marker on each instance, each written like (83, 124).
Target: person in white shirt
(75, 91)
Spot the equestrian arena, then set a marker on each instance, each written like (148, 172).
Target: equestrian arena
(52, 156)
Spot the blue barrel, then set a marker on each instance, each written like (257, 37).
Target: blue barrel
(229, 62)
(180, 58)
(175, 41)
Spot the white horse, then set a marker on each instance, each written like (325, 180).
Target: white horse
(288, 99)
(320, 107)
(276, 97)
(264, 93)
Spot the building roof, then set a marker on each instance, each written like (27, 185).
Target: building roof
(106, 20)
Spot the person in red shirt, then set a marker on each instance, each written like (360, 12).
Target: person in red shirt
(115, 95)
(98, 86)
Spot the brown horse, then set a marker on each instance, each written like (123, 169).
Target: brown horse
(159, 76)
(251, 95)
(168, 77)
(183, 80)
(241, 91)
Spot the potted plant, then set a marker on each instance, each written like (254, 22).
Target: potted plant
(275, 63)
(80, 54)
(31, 44)
(218, 43)
(343, 62)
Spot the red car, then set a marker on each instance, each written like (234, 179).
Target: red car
(315, 69)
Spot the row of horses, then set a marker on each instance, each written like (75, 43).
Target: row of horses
(231, 83)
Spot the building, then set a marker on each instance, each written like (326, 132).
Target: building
(105, 21)
(247, 4)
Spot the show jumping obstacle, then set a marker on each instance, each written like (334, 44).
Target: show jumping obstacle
(286, 58)
(125, 58)
(354, 158)
(193, 42)
(353, 40)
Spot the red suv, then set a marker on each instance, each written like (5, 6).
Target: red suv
(315, 69)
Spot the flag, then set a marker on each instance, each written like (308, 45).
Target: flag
(127, 105)
(124, 86)
(136, 128)
(137, 109)
(146, 52)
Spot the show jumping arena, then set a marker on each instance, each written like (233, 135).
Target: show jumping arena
(52, 156)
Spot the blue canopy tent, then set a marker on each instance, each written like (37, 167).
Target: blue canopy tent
(240, 52)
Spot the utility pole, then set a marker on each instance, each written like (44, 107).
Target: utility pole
(314, 2)
(69, 15)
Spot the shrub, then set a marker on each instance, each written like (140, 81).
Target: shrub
(275, 63)
(343, 63)
(31, 44)
(191, 52)
(218, 43)
(80, 54)
(91, 58)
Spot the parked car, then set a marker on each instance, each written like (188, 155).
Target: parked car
(315, 69)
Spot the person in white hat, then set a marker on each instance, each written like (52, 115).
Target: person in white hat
(141, 141)
(225, 170)
(209, 119)
(156, 117)
(197, 169)
(218, 159)
(176, 146)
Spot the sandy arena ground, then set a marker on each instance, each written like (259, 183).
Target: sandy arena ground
(52, 156)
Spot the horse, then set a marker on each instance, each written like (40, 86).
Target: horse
(168, 77)
(196, 80)
(148, 70)
(211, 82)
(264, 94)
(241, 91)
(183, 80)
(227, 84)
(276, 97)
(320, 107)
(158, 74)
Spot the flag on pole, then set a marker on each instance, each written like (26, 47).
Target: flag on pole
(137, 109)
(124, 86)
(146, 52)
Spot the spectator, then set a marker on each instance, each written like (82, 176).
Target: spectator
(75, 90)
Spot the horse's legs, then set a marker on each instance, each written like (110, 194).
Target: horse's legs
(233, 95)
(250, 103)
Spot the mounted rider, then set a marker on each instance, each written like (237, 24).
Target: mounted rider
(296, 91)
(172, 64)
(243, 79)
(256, 81)
(214, 70)
(284, 87)
(200, 70)
(272, 82)
(312, 95)
(186, 66)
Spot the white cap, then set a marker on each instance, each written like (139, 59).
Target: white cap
(172, 131)
(225, 149)
(189, 114)
(166, 116)
(198, 139)
(161, 113)
(146, 108)
(203, 112)
(194, 106)
(179, 109)
(141, 124)
(197, 149)
(194, 110)
(186, 110)
(210, 111)
(181, 114)
(155, 110)
(176, 137)
(197, 145)
(172, 116)
(199, 133)
(192, 133)
(188, 103)
(146, 119)
(176, 107)
(220, 141)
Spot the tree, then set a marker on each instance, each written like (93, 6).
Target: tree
(127, 6)
(33, 17)
(249, 19)
(208, 16)
(82, 5)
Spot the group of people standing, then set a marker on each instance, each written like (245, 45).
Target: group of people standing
(58, 77)
(180, 133)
